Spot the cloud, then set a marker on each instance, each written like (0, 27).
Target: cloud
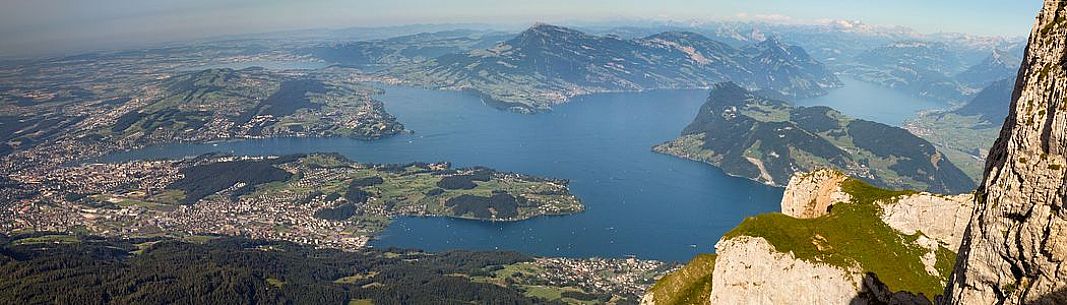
(770, 18)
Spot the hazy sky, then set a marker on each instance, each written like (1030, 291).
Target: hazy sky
(40, 24)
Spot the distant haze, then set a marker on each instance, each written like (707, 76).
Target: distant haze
(36, 26)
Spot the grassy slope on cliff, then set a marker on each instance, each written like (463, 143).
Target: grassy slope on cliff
(854, 235)
(689, 285)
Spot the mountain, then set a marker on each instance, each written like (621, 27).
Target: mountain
(997, 66)
(1015, 250)
(992, 103)
(768, 140)
(919, 68)
(376, 54)
(934, 56)
(547, 64)
(774, 59)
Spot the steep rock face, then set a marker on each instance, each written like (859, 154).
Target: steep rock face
(939, 217)
(1016, 244)
(811, 195)
(749, 270)
(844, 237)
(838, 241)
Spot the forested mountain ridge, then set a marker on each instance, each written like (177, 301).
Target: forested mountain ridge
(769, 140)
(547, 64)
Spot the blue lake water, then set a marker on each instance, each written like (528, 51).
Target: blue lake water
(638, 202)
(872, 102)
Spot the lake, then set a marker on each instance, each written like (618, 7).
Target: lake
(638, 202)
(863, 100)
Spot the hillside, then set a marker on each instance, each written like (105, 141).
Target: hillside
(48, 268)
(546, 64)
(996, 67)
(769, 140)
(218, 104)
(377, 54)
(831, 246)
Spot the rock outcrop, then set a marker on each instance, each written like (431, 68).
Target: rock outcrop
(749, 270)
(839, 240)
(942, 218)
(1015, 248)
(811, 195)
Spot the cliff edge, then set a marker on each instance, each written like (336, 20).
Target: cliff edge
(1016, 244)
(838, 240)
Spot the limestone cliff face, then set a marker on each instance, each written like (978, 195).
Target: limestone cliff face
(840, 241)
(750, 271)
(939, 217)
(942, 218)
(1016, 244)
(811, 195)
(754, 270)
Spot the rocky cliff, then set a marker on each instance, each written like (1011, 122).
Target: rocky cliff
(942, 218)
(837, 241)
(750, 270)
(1015, 248)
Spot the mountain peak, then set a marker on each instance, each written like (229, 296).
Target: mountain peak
(545, 29)
(773, 42)
(546, 35)
(730, 87)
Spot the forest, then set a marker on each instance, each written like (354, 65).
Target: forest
(63, 269)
